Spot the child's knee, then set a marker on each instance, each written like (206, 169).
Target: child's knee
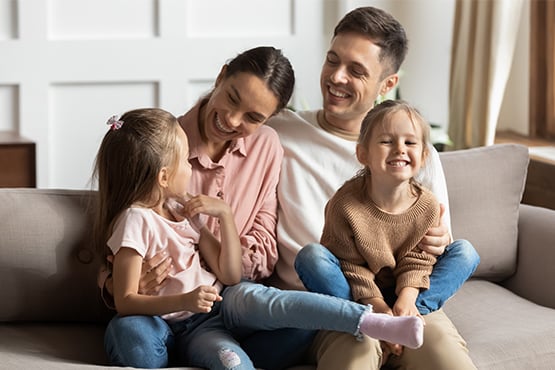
(467, 252)
(229, 358)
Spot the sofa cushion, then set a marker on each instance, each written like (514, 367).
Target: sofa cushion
(47, 265)
(502, 330)
(485, 188)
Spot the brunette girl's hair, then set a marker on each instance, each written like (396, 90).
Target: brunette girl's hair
(128, 162)
(270, 65)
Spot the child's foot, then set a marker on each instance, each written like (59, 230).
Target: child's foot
(405, 330)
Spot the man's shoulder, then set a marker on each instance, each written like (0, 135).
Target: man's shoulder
(349, 192)
(288, 118)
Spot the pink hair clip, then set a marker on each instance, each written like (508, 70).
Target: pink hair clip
(114, 122)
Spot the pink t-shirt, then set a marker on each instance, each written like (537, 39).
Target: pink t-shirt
(246, 178)
(148, 233)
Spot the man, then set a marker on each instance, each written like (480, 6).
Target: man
(366, 52)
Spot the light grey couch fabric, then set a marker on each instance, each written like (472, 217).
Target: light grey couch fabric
(506, 312)
(51, 316)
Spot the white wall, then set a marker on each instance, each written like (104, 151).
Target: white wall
(425, 79)
(67, 65)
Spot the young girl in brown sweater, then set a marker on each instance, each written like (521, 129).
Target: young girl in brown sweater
(374, 222)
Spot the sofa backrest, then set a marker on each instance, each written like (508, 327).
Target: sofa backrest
(47, 265)
(485, 188)
(48, 268)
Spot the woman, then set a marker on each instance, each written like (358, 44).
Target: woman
(236, 158)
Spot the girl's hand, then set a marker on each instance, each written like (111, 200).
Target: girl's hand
(222, 255)
(403, 308)
(201, 300)
(203, 204)
(405, 305)
(380, 306)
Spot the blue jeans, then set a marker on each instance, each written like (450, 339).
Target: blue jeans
(148, 342)
(249, 307)
(320, 271)
(246, 308)
(139, 341)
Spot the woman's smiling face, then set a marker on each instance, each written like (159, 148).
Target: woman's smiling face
(237, 107)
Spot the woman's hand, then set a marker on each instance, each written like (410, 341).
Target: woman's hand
(154, 272)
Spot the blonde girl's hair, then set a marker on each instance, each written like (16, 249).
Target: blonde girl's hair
(380, 114)
(127, 165)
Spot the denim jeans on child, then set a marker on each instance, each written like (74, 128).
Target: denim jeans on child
(246, 308)
(250, 307)
(148, 342)
(320, 272)
(139, 341)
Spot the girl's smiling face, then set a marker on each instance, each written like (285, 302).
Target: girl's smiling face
(395, 149)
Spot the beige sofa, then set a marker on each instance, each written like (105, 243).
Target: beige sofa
(51, 316)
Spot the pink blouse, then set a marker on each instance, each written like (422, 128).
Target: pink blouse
(246, 178)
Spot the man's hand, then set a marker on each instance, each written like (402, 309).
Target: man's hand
(437, 238)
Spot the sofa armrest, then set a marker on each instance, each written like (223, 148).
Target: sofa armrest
(535, 275)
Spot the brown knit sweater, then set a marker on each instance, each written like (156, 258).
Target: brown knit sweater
(379, 249)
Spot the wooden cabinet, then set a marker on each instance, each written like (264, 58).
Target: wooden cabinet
(540, 183)
(17, 161)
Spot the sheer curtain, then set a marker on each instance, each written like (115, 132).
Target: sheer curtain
(484, 38)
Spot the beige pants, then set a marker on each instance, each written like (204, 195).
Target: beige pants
(443, 348)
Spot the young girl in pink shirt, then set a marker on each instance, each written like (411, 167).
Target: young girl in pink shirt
(142, 168)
